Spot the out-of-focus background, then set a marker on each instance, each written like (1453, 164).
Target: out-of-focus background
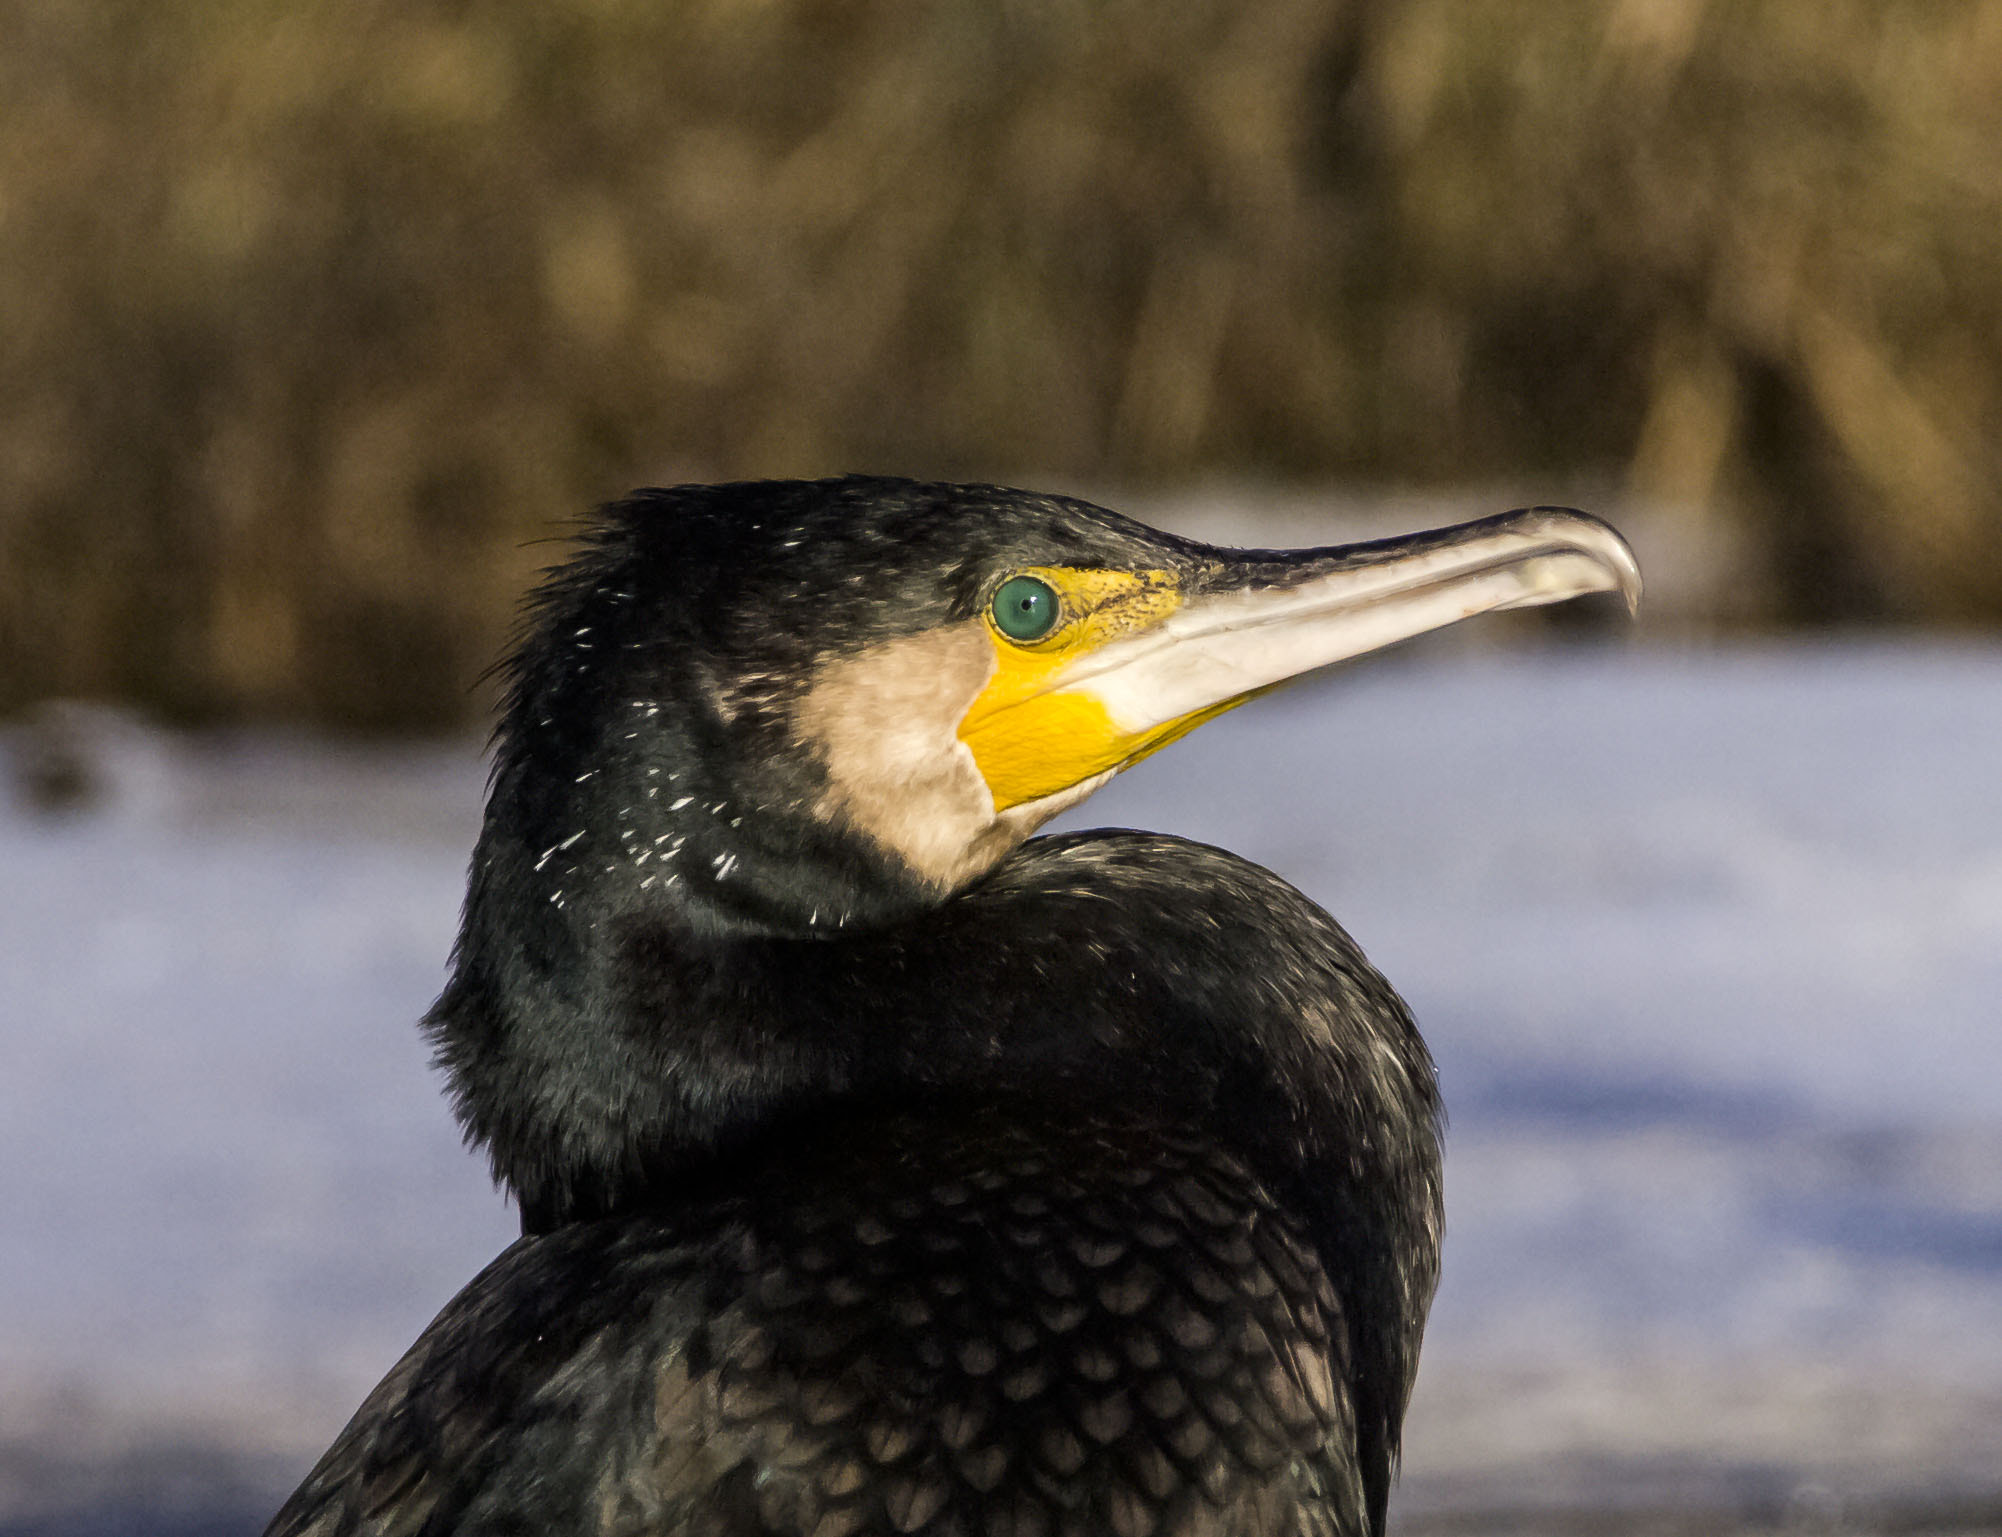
(318, 320)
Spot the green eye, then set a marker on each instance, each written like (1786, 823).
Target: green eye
(1025, 608)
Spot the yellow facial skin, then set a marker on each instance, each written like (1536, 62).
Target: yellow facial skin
(1031, 740)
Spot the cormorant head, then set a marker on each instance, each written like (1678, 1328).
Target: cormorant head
(797, 707)
(767, 753)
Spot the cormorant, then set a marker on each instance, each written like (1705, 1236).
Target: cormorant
(880, 1170)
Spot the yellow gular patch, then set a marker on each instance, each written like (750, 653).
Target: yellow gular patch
(1030, 741)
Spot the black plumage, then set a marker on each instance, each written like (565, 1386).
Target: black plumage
(1089, 1186)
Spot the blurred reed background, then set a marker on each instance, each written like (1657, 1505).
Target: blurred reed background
(312, 313)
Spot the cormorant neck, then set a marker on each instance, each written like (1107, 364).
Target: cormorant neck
(617, 1058)
(601, 1046)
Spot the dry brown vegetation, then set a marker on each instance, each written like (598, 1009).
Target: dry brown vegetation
(312, 312)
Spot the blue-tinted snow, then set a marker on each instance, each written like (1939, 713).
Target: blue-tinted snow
(1709, 948)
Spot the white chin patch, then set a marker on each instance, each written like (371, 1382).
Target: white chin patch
(885, 722)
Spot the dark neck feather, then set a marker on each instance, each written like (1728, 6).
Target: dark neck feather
(606, 1044)
(652, 1050)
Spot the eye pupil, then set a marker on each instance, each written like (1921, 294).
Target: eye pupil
(1025, 608)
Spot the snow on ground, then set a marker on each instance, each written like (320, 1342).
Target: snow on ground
(1708, 945)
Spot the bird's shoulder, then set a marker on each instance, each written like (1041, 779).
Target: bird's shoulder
(1134, 862)
(1181, 906)
(975, 1325)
